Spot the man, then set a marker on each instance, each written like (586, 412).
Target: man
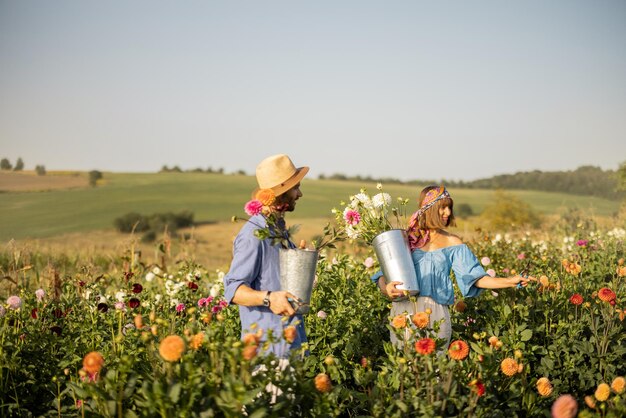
(253, 281)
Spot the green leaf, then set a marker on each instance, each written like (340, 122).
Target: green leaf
(526, 335)
(476, 348)
(174, 392)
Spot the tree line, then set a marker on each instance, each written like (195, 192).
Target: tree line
(586, 180)
(6, 165)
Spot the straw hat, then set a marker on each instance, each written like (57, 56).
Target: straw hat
(279, 174)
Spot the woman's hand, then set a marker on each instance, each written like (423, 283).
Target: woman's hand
(392, 291)
(519, 280)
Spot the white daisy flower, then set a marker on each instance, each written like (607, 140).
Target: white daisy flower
(381, 199)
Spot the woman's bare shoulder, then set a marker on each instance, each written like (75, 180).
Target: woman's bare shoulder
(453, 239)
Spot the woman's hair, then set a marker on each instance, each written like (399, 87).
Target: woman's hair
(431, 219)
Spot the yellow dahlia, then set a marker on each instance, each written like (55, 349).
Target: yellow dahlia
(544, 387)
(602, 392)
(420, 319)
(509, 366)
(172, 348)
(590, 401)
(458, 350)
(618, 385)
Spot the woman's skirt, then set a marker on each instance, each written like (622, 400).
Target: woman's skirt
(439, 313)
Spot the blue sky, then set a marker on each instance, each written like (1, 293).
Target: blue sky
(405, 89)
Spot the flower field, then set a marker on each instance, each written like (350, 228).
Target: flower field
(115, 337)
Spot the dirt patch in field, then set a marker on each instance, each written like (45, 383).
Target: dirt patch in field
(28, 181)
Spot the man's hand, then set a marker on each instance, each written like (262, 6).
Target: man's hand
(279, 303)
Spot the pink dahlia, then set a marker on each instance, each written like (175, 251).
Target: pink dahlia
(253, 207)
(352, 217)
(14, 302)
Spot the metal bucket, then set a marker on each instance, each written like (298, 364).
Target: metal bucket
(394, 255)
(297, 273)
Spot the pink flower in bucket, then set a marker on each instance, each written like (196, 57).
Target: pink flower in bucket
(368, 262)
(485, 261)
(352, 217)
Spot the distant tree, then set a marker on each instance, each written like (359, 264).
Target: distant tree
(621, 176)
(220, 170)
(463, 210)
(164, 169)
(94, 176)
(321, 177)
(5, 164)
(241, 172)
(508, 211)
(40, 170)
(19, 165)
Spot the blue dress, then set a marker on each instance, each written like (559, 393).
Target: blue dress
(433, 272)
(436, 288)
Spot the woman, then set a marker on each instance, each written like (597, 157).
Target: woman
(435, 252)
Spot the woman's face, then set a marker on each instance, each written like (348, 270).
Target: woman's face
(444, 214)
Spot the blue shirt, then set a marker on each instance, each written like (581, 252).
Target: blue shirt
(433, 272)
(256, 264)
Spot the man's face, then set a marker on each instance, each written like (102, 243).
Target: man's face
(288, 199)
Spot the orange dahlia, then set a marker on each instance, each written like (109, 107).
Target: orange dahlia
(544, 281)
(420, 319)
(606, 295)
(621, 271)
(399, 321)
(460, 306)
(138, 321)
(602, 392)
(266, 196)
(249, 352)
(564, 407)
(493, 341)
(590, 401)
(93, 362)
(544, 387)
(458, 350)
(618, 385)
(425, 346)
(290, 333)
(172, 348)
(251, 339)
(509, 366)
(322, 383)
(195, 342)
(576, 299)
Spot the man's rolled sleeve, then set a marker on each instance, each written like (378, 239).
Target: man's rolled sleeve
(245, 265)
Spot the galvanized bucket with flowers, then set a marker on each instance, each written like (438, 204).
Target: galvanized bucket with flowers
(377, 221)
(297, 264)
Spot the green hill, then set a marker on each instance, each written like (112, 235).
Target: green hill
(213, 198)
